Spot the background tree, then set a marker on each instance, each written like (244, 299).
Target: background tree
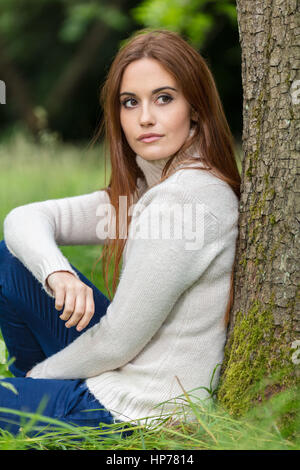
(264, 324)
(59, 51)
(54, 55)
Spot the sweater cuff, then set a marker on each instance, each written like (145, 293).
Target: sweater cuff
(37, 372)
(58, 263)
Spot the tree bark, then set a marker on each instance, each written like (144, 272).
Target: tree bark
(264, 321)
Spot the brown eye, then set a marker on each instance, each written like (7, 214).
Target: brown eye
(124, 103)
(166, 98)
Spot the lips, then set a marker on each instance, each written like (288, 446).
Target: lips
(149, 137)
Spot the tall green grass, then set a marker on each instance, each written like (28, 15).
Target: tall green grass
(34, 172)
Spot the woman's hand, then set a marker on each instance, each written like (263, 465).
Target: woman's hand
(76, 296)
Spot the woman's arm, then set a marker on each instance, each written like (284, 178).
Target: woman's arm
(33, 232)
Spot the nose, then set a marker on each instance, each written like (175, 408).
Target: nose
(147, 117)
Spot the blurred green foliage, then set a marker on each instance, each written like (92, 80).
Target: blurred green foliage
(81, 14)
(61, 59)
(193, 18)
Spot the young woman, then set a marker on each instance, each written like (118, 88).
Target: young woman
(170, 213)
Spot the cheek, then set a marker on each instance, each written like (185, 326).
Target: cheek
(127, 125)
(178, 120)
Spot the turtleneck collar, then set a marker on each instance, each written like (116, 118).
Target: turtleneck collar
(152, 169)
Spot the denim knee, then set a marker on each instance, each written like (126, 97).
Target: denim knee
(8, 263)
(3, 249)
(4, 257)
(5, 254)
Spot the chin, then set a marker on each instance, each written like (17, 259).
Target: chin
(156, 154)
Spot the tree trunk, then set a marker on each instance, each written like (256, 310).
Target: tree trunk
(264, 320)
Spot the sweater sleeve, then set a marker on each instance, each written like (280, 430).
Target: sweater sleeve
(158, 270)
(33, 232)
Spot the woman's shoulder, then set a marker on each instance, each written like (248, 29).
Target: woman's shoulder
(196, 186)
(199, 181)
(209, 189)
(198, 175)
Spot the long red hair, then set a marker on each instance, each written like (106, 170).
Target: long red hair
(212, 134)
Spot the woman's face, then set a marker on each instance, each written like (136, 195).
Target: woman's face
(152, 103)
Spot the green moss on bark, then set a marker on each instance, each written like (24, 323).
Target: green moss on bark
(258, 350)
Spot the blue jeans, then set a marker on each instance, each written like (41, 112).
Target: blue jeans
(33, 331)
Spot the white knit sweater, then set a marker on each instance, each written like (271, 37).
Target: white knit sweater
(166, 320)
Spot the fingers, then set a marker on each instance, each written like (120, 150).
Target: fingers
(89, 311)
(78, 310)
(59, 298)
(79, 306)
(70, 299)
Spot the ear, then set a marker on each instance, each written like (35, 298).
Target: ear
(194, 115)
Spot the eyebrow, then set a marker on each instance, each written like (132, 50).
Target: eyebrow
(153, 91)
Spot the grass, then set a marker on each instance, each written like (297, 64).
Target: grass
(213, 429)
(31, 172)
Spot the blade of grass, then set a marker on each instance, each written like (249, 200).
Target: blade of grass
(196, 413)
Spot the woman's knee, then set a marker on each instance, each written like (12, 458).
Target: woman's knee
(5, 254)
(3, 249)
(9, 264)
(6, 258)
